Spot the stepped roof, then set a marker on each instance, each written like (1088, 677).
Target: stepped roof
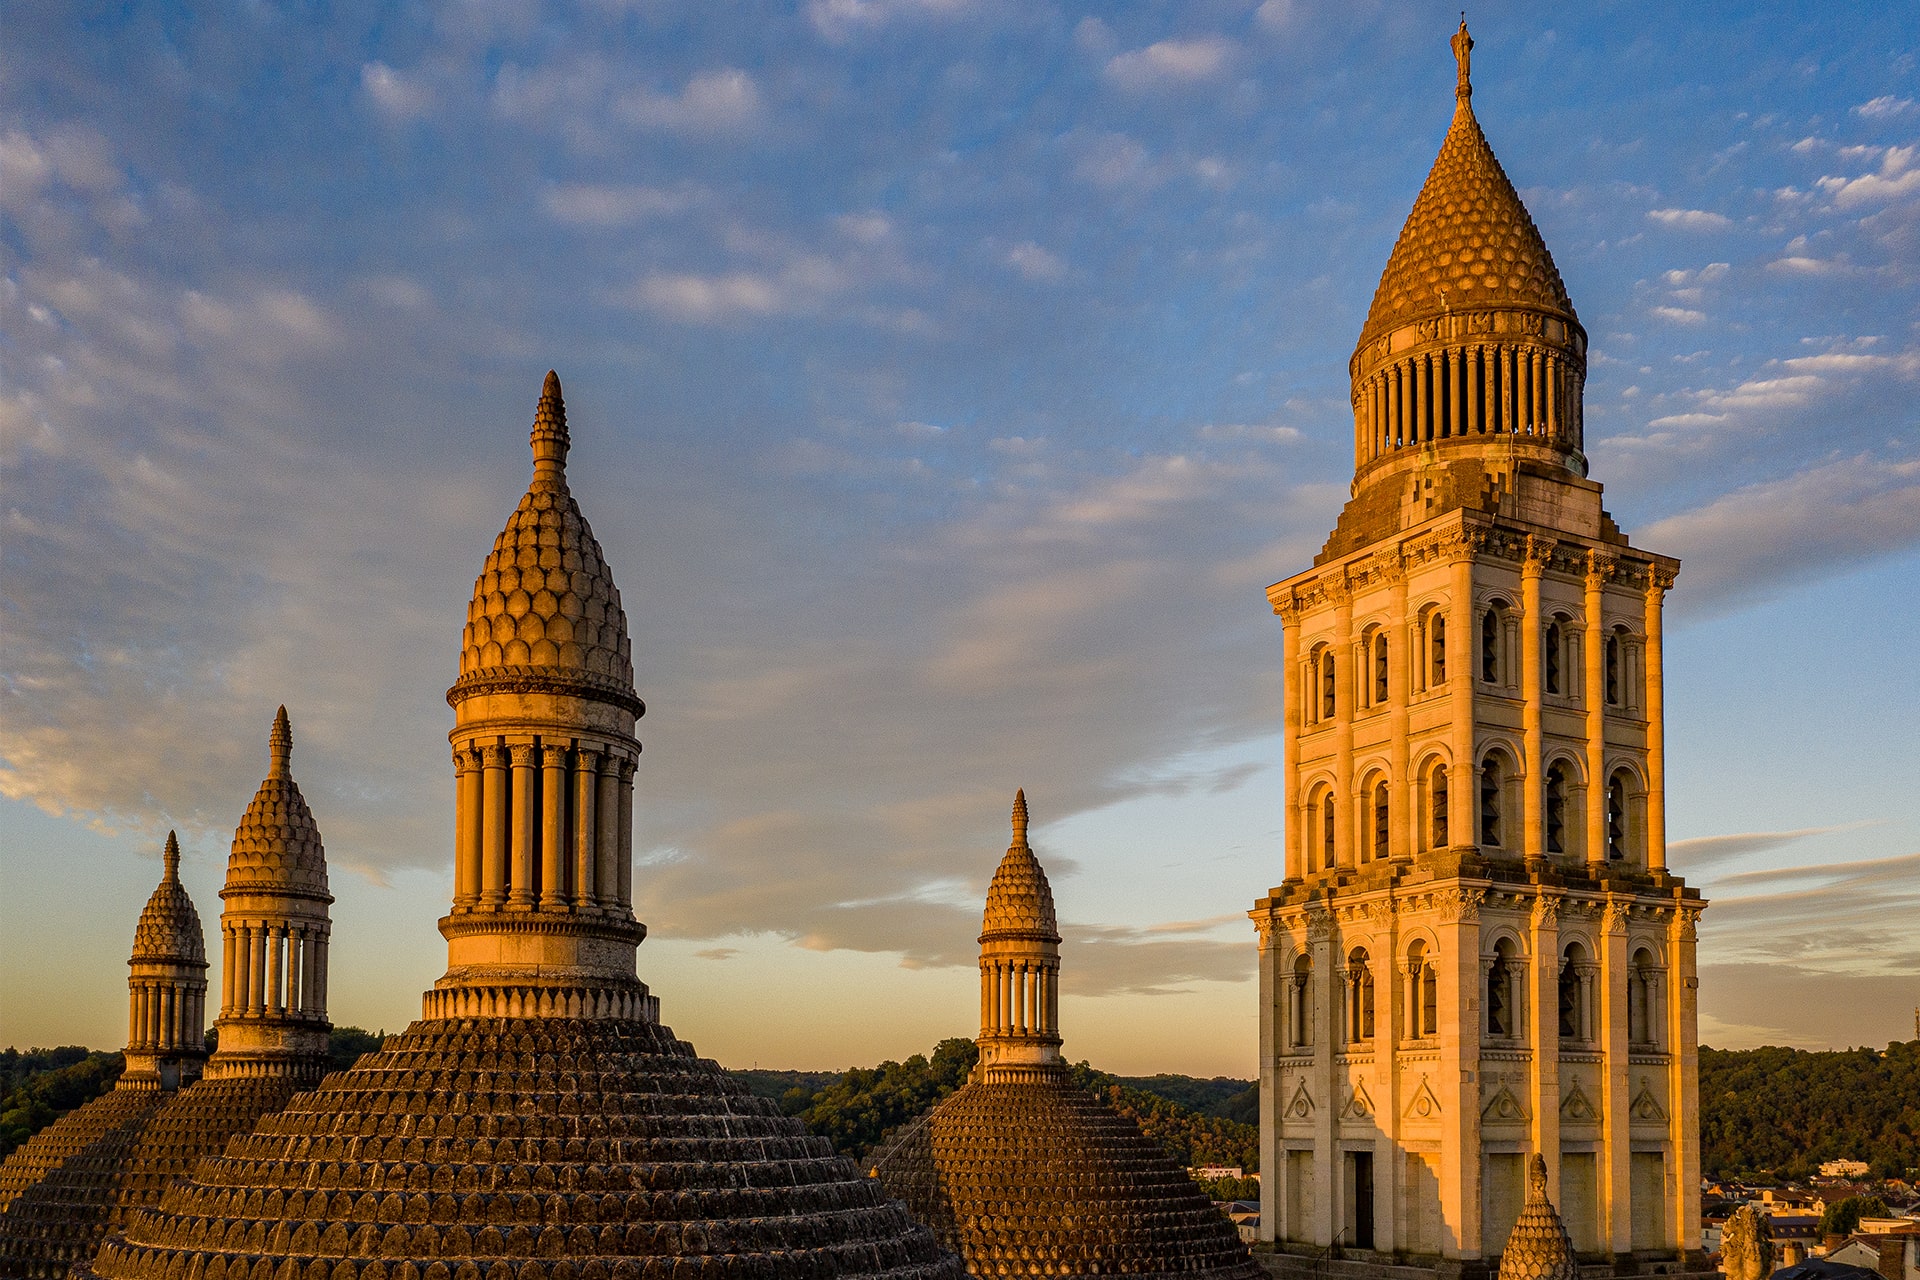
(1469, 244)
(1019, 901)
(544, 609)
(530, 1149)
(1538, 1247)
(276, 847)
(1043, 1179)
(169, 928)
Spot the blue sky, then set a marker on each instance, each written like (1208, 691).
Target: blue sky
(947, 380)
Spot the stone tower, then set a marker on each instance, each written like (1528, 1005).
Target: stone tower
(538, 1122)
(273, 933)
(57, 1191)
(1021, 1171)
(1478, 953)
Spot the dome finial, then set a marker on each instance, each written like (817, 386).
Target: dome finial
(550, 439)
(1020, 818)
(280, 746)
(1463, 54)
(171, 858)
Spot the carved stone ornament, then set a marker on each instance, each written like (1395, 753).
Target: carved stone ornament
(1546, 912)
(1459, 904)
(1536, 555)
(1602, 566)
(1615, 918)
(1689, 924)
(1319, 923)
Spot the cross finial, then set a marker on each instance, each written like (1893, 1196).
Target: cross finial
(1020, 817)
(1463, 54)
(280, 746)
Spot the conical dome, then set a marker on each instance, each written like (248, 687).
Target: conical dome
(277, 844)
(169, 927)
(545, 615)
(1019, 901)
(1538, 1248)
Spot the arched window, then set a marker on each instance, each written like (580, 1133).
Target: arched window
(1490, 784)
(1490, 628)
(1423, 993)
(1642, 983)
(1326, 684)
(1501, 1018)
(1300, 1002)
(1613, 669)
(1573, 1018)
(1438, 806)
(1379, 648)
(1382, 825)
(1556, 808)
(1359, 997)
(1437, 648)
(1550, 656)
(1326, 832)
(1617, 817)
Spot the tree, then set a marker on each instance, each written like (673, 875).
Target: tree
(1842, 1218)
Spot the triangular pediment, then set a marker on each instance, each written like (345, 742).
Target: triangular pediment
(1504, 1107)
(1359, 1105)
(1300, 1105)
(1577, 1107)
(1645, 1106)
(1423, 1105)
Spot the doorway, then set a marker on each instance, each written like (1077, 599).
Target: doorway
(1359, 1189)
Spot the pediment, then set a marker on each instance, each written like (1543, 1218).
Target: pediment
(1504, 1107)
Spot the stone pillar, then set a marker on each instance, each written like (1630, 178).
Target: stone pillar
(586, 789)
(1543, 1034)
(1610, 1030)
(1457, 1082)
(1532, 823)
(1463, 800)
(466, 831)
(1291, 702)
(520, 882)
(624, 811)
(553, 828)
(228, 996)
(1346, 850)
(257, 964)
(1683, 1076)
(606, 841)
(320, 979)
(1599, 569)
(1658, 580)
(133, 1014)
(1326, 1081)
(1400, 648)
(493, 856)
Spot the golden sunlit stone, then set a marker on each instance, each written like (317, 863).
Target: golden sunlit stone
(1024, 1173)
(537, 1123)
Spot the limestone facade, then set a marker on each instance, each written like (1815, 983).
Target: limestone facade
(1478, 953)
(1022, 1172)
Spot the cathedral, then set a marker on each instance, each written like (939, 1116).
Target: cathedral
(1478, 953)
(1477, 978)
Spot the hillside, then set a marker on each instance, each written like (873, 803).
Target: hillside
(1779, 1112)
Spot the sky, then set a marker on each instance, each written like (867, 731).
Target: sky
(947, 380)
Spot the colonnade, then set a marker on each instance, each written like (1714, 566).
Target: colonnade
(1484, 389)
(273, 969)
(542, 826)
(163, 1015)
(1019, 997)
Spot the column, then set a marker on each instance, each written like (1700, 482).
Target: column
(256, 970)
(493, 838)
(1531, 568)
(607, 840)
(310, 975)
(1457, 1081)
(1683, 1089)
(1326, 1081)
(133, 1014)
(586, 772)
(520, 879)
(1610, 1012)
(1658, 580)
(276, 934)
(1455, 382)
(1345, 850)
(624, 850)
(1289, 615)
(227, 995)
(1422, 401)
(466, 809)
(320, 978)
(1463, 787)
(1543, 1034)
(1400, 647)
(553, 827)
(986, 999)
(1553, 397)
(1599, 569)
(171, 1038)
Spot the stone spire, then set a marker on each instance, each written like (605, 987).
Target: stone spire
(1471, 342)
(1538, 1247)
(544, 755)
(1019, 966)
(166, 986)
(274, 932)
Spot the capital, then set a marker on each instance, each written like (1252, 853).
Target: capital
(1600, 567)
(1535, 554)
(523, 754)
(553, 757)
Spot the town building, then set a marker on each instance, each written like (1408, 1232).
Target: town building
(1478, 953)
(1021, 1171)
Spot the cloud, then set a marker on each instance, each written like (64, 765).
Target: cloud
(1678, 315)
(397, 94)
(1690, 219)
(1171, 63)
(1707, 850)
(838, 21)
(1898, 178)
(582, 204)
(1265, 434)
(1035, 263)
(1885, 107)
(725, 101)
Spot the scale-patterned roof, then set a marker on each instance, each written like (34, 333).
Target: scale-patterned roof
(169, 927)
(277, 846)
(545, 605)
(530, 1150)
(1468, 245)
(1019, 901)
(1043, 1179)
(1538, 1248)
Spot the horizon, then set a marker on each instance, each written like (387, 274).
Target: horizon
(947, 379)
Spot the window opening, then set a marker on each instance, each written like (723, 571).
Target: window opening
(1359, 997)
(1553, 657)
(1570, 994)
(1302, 1001)
(1490, 802)
(1438, 644)
(1617, 818)
(1557, 809)
(1380, 669)
(1382, 828)
(1490, 646)
(1500, 991)
(1613, 671)
(1326, 684)
(1440, 807)
(1326, 831)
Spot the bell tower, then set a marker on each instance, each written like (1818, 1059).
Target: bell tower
(1478, 954)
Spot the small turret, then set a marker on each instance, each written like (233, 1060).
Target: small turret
(1019, 966)
(167, 986)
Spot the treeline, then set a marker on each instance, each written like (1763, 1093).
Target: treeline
(1191, 1137)
(1776, 1114)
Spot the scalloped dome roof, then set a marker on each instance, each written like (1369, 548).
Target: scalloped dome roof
(545, 604)
(1019, 900)
(277, 845)
(169, 928)
(1469, 244)
(1538, 1248)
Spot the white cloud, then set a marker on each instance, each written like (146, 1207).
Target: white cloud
(1885, 107)
(841, 20)
(726, 101)
(1035, 263)
(1170, 63)
(1690, 219)
(583, 204)
(1898, 178)
(1679, 315)
(397, 94)
(1276, 15)
(1114, 160)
